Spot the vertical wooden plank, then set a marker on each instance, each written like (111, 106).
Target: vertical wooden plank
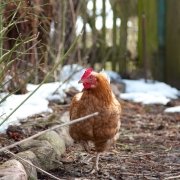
(173, 43)
(161, 22)
(149, 10)
(114, 37)
(144, 51)
(123, 41)
(159, 71)
(103, 38)
(124, 10)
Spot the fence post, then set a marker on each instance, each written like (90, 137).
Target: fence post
(114, 40)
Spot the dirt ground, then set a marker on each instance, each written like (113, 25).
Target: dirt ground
(148, 148)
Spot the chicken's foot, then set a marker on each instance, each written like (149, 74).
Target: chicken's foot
(96, 164)
(95, 167)
(86, 159)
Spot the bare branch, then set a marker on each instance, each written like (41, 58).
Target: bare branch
(55, 127)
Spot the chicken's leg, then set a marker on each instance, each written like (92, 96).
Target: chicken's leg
(95, 167)
(96, 163)
(86, 146)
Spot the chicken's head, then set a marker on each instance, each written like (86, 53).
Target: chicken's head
(89, 79)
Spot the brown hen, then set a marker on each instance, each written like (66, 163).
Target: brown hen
(96, 96)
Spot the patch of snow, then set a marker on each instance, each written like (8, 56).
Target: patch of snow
(175, 109)
(149, 92)
(38, 102)
(31, 107)
(45, 90)
(145, 98)
(150, 86)
(48, 91)
(54, 90)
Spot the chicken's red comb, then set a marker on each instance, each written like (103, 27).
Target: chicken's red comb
(87, 73)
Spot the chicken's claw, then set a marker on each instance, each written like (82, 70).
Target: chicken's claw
(95, 167)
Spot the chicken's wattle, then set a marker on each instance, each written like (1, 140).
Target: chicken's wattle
(86, 85)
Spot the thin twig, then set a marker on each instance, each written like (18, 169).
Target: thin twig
(172, 177)
(2, 115)
(55, 127)
(38, 168)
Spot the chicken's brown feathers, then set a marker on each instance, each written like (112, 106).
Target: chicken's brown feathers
(102, 129)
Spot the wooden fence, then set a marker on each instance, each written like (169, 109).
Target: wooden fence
(136, 45)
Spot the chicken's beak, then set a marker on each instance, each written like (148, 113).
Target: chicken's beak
(80, 81)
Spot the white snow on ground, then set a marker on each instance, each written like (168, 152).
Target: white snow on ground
(149, 93)
(136, 90)
(173, 109)
(32, 106)
(145, 98)
(38, 102)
